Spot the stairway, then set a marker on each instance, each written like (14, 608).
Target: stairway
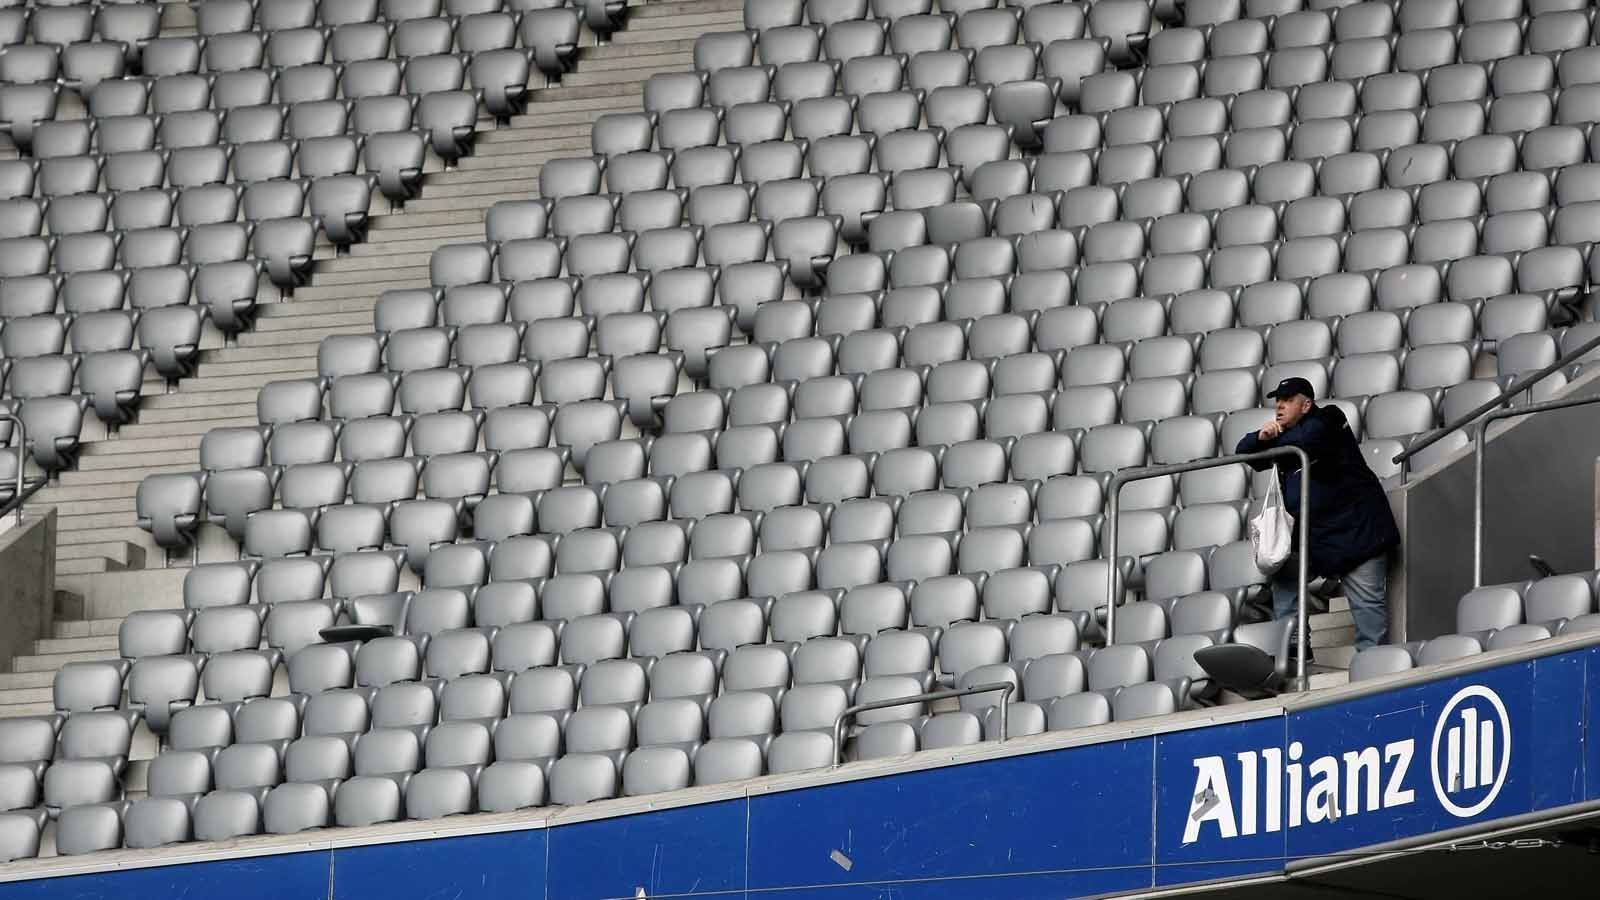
(95, 502)
(106, 565)
(1333, 644)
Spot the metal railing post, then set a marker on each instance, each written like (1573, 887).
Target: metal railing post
(1302, 527)
(21, 443)
(1513, 389)
(1005, 688)
(1480, 446)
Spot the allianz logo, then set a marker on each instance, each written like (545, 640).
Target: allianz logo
(1268, 790)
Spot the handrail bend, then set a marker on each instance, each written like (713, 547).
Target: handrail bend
(23, 492)
(1302, 529)
(1513, 389)
(1004, 687)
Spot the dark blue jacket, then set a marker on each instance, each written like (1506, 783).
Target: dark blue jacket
(1350, 517)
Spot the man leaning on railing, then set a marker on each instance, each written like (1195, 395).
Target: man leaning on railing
(1352, 528)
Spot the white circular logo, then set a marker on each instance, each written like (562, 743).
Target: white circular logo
(1468, 776)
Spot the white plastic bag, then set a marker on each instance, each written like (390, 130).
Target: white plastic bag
(1272, 531)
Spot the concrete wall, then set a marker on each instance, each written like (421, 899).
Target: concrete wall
(1540, 498)
(27, 583)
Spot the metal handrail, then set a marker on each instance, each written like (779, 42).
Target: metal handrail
(1481, 445)
(15, 503)
(1513, 389)
(1004, 687)
(21, 443)
(1302, 529)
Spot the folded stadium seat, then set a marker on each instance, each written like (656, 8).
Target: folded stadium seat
(524, 748)
(385, 760)
(1486, 610)
(1556, 600)
(88, 686)
(176, 779)
(1375, 662)
(1447, 648)
(88, 764)
(1516, 636)
(809, 713)
(30, 746)
(455, 754)
(88, 828)
(109, 372)
(669, 733)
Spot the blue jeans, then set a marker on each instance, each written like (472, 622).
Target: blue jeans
(1367, 588)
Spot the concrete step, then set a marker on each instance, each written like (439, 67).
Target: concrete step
(53, 661)
(58, 493)
(301, 335)
(408, 218)
(544, 131)
(108, 462)
(124, 445)
(128, 555)
(291, 361)
(361, 281)
(117, 513)
(547, 115)
(213, 384)
(30, 697)
(470, 189)
(357, 270)
(1331, 620)
(1334, 678)
(563, 93)
(237, 354)
(448, 232)
(631, 76)
(662, 24)
(639, 17)
(21, 710)
(205, 392)
(112, 596)
(1335, 657)
(14, 681)
(420, 247)
(614, 49)
(527, 161)
(77, 628)
(96, 566)
(306, 319)
(96, 514)
(121, 531)
(114, 476)
(52, 646)
(545, 103)
(686, 28)
(177, 425)
(648, 55)
(537, 140)
(1333, 637)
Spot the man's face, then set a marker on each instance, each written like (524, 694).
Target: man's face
(1290, 410)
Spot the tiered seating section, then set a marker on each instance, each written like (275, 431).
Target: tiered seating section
(682, 480)
(210, 168)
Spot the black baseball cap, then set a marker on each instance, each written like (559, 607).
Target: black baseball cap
(1292, 387)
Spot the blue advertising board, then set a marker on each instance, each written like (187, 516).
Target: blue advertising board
(1244, 797)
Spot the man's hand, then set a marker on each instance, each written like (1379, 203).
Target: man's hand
(1270, 430)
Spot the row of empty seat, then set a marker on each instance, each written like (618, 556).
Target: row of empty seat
(204, 169)
(682, 478)
(1495, 617)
